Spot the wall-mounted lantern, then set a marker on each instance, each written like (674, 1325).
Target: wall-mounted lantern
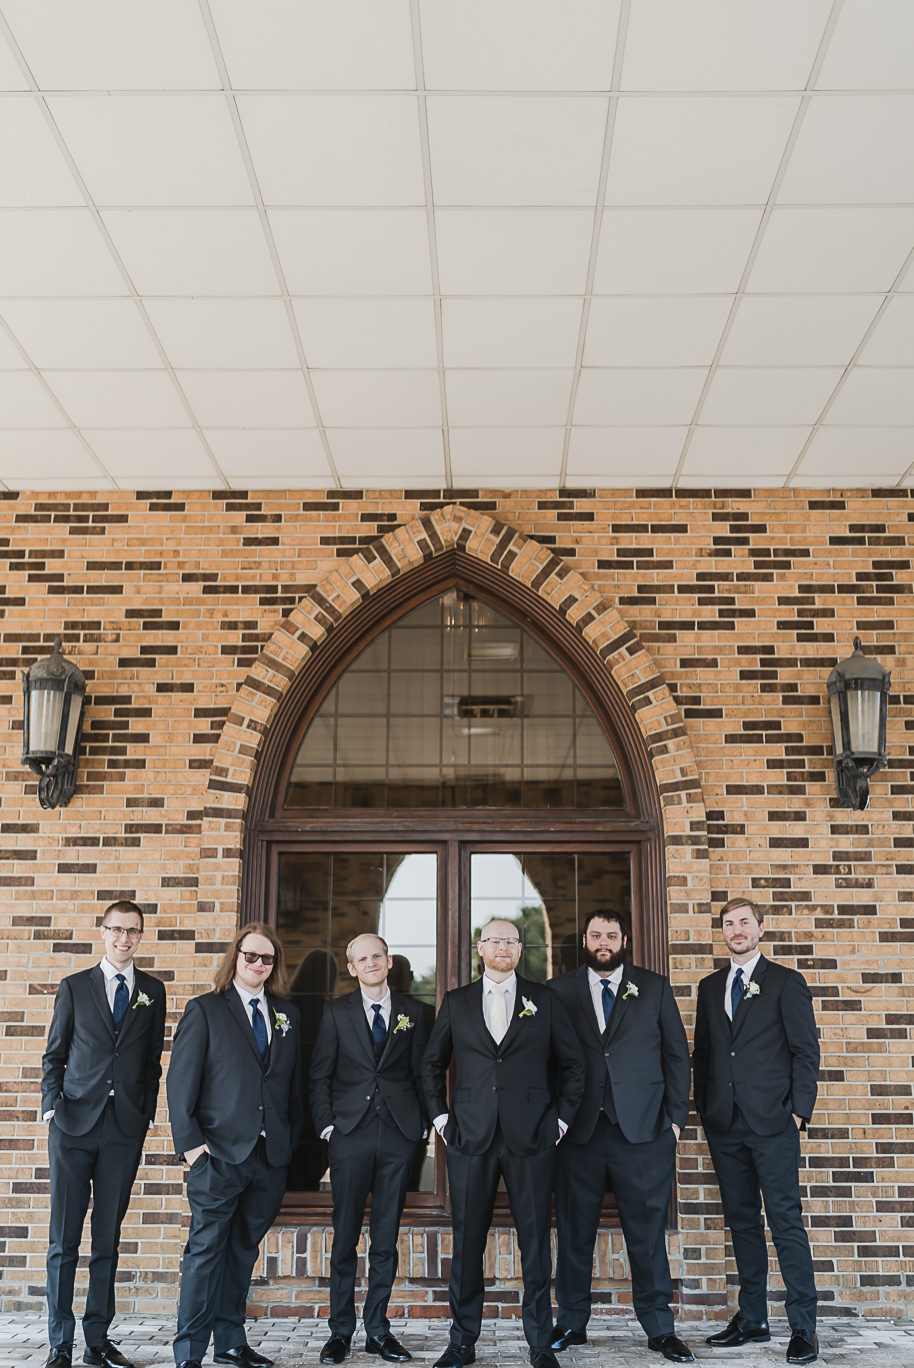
(54, 691)
(858, 695)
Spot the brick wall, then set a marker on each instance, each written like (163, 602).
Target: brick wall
(179, 609)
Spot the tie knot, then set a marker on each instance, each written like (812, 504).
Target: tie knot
(376, 1008)
(121, 978)
(739, 974)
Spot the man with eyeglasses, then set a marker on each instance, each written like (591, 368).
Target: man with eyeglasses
(519, 1082)
(235, 1102)
(100, 1083)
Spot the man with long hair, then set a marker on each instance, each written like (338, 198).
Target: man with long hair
(235, 1100)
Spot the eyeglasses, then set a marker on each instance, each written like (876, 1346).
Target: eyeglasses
(251, 958)
(132, 933)
(500, 941)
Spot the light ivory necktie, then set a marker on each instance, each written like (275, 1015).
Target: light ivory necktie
(498, 1014)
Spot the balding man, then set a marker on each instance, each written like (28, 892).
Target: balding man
(366, 1099)
(510, 1039)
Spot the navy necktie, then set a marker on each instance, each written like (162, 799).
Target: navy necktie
(121, 998)
(260, 1028)
(609, 1002)
(736, 992)
(378, 1031)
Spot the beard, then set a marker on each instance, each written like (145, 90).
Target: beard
(604, 964)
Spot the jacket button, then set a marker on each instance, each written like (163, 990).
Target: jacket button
(108, 1081)
(498, 1061)
(732, 1054)
(368, 1097)
(494, 1089)
(260, 1108)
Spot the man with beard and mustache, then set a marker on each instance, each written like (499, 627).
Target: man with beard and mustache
(636, 1101)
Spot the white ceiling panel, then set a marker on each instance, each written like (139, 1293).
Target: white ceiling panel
(853, 149)
(798, 330)
(398, 453)
(248, 398)
(513, 251)
(892, 342)
(681, 330)
(744, 451)
(322, 45)
(516, 150)
(153, 149)
(82, 333)
(504, 398)
(533, 453)
(629, 397)
(24, 402)
(510, 332)
(674, 251)
(11, 77)
(519, 44)
(346, 334)
(252, 454)
(224, 333)
(335, 149)
(375, 398)
(719, 45)
(119, 399)
(633, 452)
(353, 251)
(150, 456)
(882, 397)
(55, 252)
(33, 170)
(694, 149)
(832, 250)
(756, 397)
(44, 456)
(110, 45)
(848, 451)
(10, 356)
(870, 48)
(193, 251)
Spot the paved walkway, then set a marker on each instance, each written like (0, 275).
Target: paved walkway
(618, 1341)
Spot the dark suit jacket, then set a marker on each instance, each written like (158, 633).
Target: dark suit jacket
(84, 1058)
(345, 1075)
(645, 1056)
(507, 1084)
(221, 1093)
(767, 1063)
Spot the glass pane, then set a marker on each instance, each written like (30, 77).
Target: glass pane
(455, 706)
(323, 902)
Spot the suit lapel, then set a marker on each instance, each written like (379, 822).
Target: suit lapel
(360, 1024)
(100, 996)
(236, 1009)
(585, 998)
(472, 1004)
(623, 997)
(396, 1039)
(745, 1007)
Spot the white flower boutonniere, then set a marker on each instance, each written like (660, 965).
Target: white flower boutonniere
(142, 1001)
(282, 1022)
(631, 990)
(752, 990)
(403, 1023)
(530, 1008)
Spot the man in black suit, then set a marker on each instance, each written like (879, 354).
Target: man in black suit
(756, 1062)
(235, 1101)
(509, 1037)
(636, 1101)
(366, 1099)
(100, 1082)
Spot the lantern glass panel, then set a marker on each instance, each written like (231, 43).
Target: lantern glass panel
(863, 707)
(76, 707)
(837, 739)
(45, 710)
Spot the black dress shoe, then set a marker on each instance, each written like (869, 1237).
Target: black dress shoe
(105, 1355)
(455, 1355)
(336, 1349)
(803, 1347)
(543, 1358)
(190, 1363)
(61, 1356)
(740, 1331)
(672, 1348)
(562, 1337)
(243, 1356)
(388, 1347)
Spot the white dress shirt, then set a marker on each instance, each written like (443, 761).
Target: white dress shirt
(247, 998)
(596, 982)
(748, 970)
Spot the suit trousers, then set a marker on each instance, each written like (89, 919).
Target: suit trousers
(749, 1167)
(474, 1183)
(232, 1206)
(641, 1177)
(102, 1162)
(375, 1159)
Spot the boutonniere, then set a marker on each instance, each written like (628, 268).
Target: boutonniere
(752, 989)
(530, 1008)
(281, 1022)
(631, 990)
(403, 1023)
(142, 1001)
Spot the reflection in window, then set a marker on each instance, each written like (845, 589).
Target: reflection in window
(455, 706)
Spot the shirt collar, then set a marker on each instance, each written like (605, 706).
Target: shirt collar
(489, 985)
(111, 971)
(368, 1002)
(748, 968)
(615, 978)
(247, 998)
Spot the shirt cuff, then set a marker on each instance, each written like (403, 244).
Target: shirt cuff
(326, 1132)
(440, 1122)
(47, 1115)
(563, 1125)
